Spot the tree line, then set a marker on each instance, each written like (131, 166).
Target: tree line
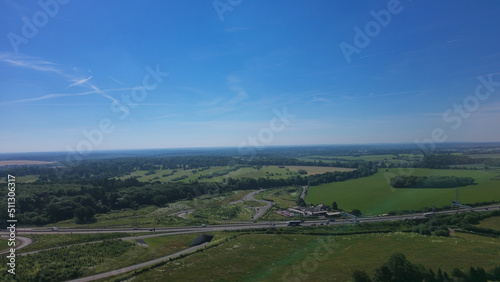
(434, 181)
(399, 268)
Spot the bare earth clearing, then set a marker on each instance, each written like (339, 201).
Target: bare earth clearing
(22, 162)
(317, 169)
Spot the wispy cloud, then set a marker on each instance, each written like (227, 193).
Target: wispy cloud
(53, 96)
(235, 29)
(37, 64)
(115, 80)
(80, 82)
(104, 94)
(33, 63)
(377, 54)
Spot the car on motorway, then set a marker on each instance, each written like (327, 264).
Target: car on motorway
(203, 225)
(55, 229)
(136, 228)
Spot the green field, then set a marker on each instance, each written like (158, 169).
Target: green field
(4, 245)
(317, 169)
(284, 197)
(373, 194)
(273, 172)
(189, 175)
(23, 179)
(495, 156)
(260, 257)
(46, 241)
(492, 222)
(372, 158)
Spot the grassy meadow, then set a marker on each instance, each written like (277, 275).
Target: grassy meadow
(492, 222)
(374, 195)
(212, 174)
(273, 257)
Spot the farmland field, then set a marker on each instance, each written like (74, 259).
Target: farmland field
(22, 179)
(23, 162)
(495, 156)
(212, 174)
(372, 158)
(318, 169)
(373, 194)
(492, 222)
(219, 173)
(259, 257)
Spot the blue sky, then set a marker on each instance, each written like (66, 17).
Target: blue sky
(72, 73)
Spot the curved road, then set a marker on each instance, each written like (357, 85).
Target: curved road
(24, 243)
(304, 190)
(259, 211)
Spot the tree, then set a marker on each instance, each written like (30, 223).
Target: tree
(457, 273)
(334, 206)
(301, 203)
(356, 212)
(84, 215)
(440, 277)
(360, 276)
(382, 274)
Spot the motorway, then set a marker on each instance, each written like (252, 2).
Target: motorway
(233, 225)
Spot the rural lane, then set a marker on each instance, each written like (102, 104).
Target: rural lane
(259, 211)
